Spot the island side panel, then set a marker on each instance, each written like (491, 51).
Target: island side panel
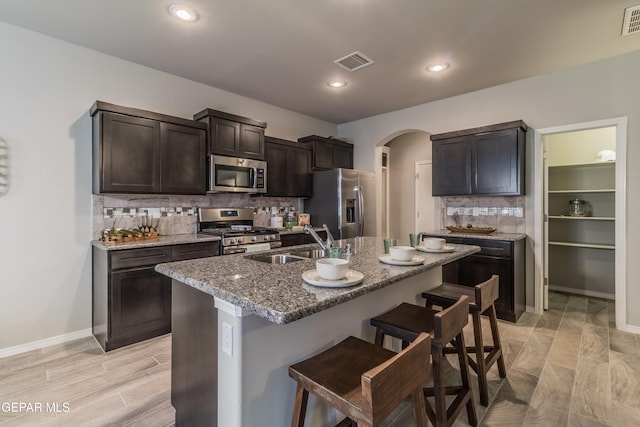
(260, 391)
(194, 356)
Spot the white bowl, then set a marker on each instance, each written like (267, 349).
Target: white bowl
(433, 243)
(332, 268)
(402, 253)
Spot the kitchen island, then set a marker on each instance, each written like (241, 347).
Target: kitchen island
(238, 324)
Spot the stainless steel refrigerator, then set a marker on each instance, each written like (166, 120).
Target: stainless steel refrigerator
(345, 200)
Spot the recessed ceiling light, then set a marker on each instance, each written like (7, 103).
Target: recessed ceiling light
(337, 83)
(183, 12)
(436, 68)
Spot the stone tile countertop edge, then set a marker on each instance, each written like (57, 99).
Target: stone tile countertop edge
(278, 294)
(491, 236)
(175, 239)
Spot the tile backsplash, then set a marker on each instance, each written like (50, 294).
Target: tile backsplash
(506, 214)
(174, 214)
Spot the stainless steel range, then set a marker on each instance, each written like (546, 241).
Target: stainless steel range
(235, 227)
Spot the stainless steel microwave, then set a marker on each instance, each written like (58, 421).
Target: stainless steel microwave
(236, 175)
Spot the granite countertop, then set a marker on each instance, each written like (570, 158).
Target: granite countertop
(285, 231)
(176, 239)
(278, 293)
(492, 236)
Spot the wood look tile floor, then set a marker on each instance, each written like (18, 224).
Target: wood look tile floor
(568, 367)
(84, 386)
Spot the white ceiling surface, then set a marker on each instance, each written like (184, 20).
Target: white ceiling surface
(282, 51)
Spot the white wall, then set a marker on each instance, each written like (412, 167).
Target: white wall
(601, 90)
(47, 88)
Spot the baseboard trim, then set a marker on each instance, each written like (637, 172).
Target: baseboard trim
(584, 292)
(37, 345)
(630, 328)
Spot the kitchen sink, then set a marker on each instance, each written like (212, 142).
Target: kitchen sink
(276, 259)
(310, 253)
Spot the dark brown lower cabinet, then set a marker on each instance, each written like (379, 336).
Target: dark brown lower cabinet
(294, 239)
(131, 301)
(502, 257)
(140, 305)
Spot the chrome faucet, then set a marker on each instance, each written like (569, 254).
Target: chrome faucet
(330, 238)
(309, 230)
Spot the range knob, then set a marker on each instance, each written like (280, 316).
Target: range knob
(240, 239)
(254, 239)
(266, 238)
(234, 241)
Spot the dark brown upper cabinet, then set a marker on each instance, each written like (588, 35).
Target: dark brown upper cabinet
(288, 168)
(487, 160)
(329, 153)
(233, 136)
(142, 152)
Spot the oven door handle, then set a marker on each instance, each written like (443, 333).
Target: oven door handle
(236, 250)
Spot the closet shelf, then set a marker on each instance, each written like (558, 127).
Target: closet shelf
(602, 190)
(584, 165)
(588, 218)
(583, 245)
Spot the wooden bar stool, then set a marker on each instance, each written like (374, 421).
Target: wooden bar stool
(481, 301)
(407, 322)
(364, 381)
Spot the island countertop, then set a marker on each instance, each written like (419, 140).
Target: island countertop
(278, 294)
(496, 235)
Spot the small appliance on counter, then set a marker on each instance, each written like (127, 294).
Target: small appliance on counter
(236, 230)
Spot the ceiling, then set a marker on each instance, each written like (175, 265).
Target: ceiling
(282, 51)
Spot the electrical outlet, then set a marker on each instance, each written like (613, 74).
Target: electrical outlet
(227, 339)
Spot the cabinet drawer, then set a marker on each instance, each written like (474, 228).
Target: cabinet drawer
(494, 248)
(488, 247)
(195, 250)
(140, 257)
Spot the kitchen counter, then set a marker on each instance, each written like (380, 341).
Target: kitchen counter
(285, 231)
(176, 239)
(237, 324)
(278, 294)
(491, 236)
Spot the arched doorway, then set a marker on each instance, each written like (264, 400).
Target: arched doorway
(396, 161)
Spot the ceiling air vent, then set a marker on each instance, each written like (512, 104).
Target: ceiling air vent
(631, 23)
(354, 61)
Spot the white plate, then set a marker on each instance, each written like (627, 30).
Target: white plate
(436, 251)
(386, 258)
(313, 278)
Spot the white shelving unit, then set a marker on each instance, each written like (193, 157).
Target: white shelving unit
(582, 248)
